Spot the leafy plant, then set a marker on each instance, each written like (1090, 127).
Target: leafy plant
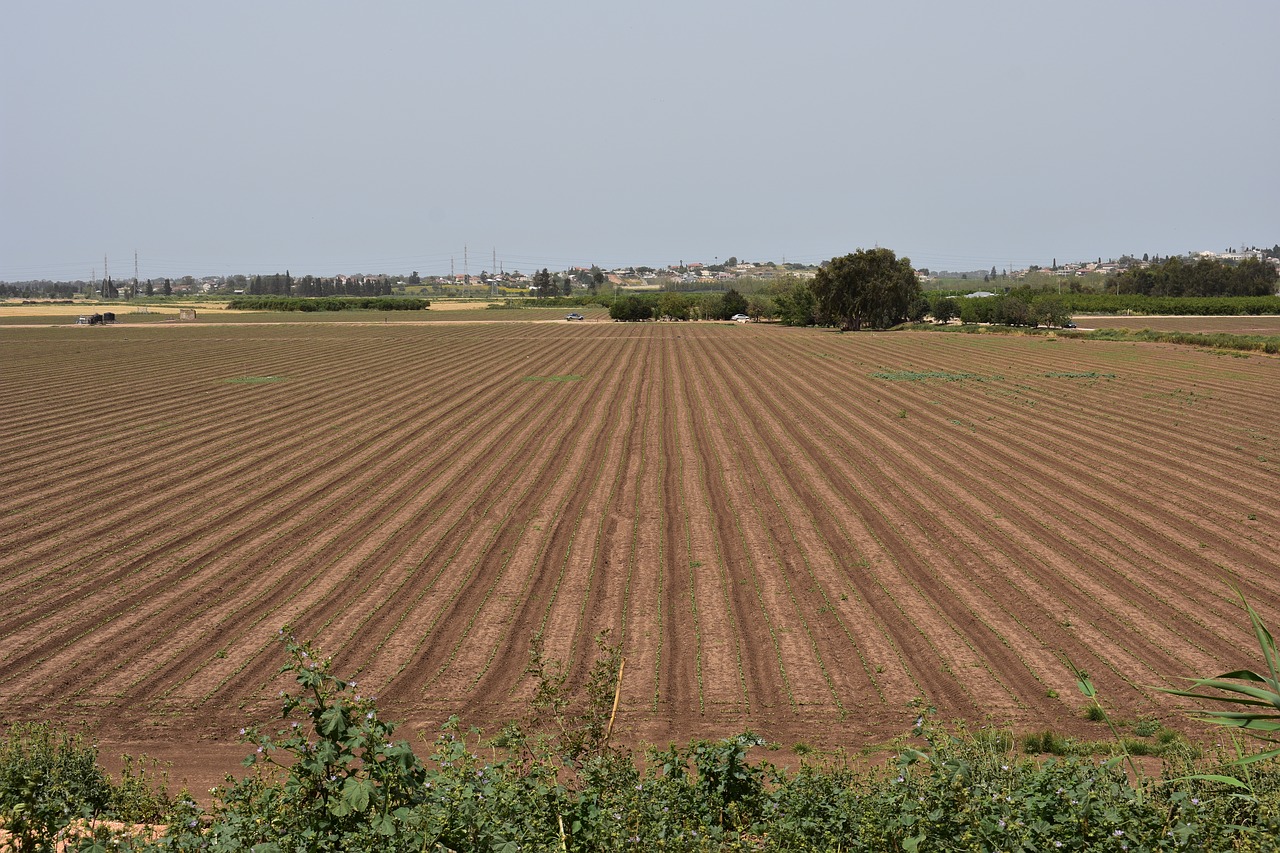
(48, 780)
(1258, 695)
(140, 795)
(1096, 712)
(573, 734)
(342, 784)
(726, 779)
(1146, 726)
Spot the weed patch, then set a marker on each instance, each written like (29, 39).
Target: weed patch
(568, 377)
(928, 375)
(255, 380)
(1092, 374)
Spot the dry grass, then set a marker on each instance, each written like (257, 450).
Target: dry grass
(443, 305)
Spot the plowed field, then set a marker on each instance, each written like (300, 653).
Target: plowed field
(1266, 324)
(787, 530)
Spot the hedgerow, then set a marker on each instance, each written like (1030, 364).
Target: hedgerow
(327, 303)
(331, 776)
(1112, 303)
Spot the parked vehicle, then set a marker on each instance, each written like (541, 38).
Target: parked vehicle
(574, 316)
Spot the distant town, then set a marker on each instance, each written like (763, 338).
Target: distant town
(691, 276)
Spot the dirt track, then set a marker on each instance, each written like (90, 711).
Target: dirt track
(791, 531)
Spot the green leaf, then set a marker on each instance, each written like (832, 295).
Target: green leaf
(384, 825)
(91, 845)
(333, 722)
(1261, 756)
(1240, 674)
(1243, 720)
(1191, 694)
(1213, 777)
(1265, 696)
(1083, 684)
(355, 794)
(1265, 640)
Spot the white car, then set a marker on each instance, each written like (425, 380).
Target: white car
(740, 318)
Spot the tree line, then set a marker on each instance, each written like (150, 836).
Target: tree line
(671, 305)
(1204, 277)
(297, 303)
(285, 284)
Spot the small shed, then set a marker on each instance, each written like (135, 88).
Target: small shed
(186, 313)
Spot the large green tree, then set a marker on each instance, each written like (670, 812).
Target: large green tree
(734, 303)
(794, 301)
(871, 286)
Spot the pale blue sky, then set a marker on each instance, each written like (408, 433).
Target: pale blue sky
(326, 137)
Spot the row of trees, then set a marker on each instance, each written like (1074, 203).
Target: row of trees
(42, 289)
(1205, 277)
(547, 284)
(106, 289)
(328, 303)
(1009, 309)
(671, 305)
(876, 289)
(310, 286)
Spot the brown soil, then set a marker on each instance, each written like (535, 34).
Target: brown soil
(792, 531)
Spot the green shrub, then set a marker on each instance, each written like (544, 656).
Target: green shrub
(332, 778)
(630, 309)
(1046, 742)
(1146, 726)
(48, 779)
(140, 795)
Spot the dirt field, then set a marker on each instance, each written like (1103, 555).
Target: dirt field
(787, 530)
(15, 313)
(1268, 324)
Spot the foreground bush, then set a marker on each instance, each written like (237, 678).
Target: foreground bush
(53, 794)
(332, 777)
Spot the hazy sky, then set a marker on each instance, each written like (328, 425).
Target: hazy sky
(326, 137)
